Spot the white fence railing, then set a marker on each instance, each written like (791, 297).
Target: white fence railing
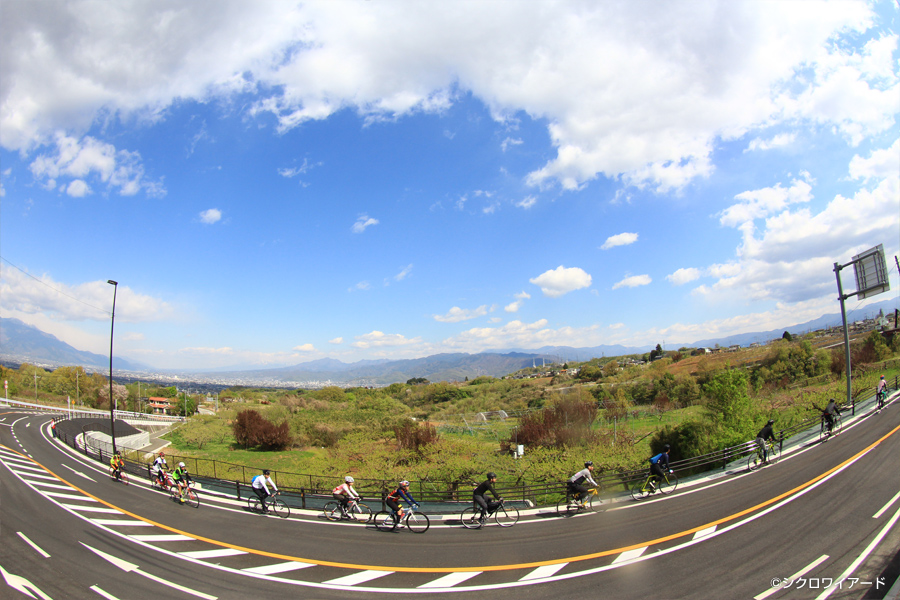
(73, 413)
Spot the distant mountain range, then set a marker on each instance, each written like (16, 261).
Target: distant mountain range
(23, 343)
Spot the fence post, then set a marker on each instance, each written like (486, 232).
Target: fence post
(302, 498)
(237, 485)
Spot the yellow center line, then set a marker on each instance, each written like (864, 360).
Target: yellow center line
(507, 567)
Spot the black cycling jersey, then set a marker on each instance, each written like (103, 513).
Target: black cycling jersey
(486, 486)
(766, 433)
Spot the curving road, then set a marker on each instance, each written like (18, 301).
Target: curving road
(824, 514)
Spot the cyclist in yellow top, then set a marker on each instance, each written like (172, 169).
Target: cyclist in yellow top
(182, 479)
(116, 463)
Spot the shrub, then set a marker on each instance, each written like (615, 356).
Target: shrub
(414, 436)
(252, 430)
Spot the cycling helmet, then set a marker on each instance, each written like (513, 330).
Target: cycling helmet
(492, 475)
(589, 463)
(182, 465)
(348, 479)
(266, 471)
(771, 422)
(404, 482)
(666, 448)
(161, 453)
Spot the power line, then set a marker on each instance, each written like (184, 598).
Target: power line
(24, 272)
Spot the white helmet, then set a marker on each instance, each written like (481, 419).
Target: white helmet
(348, 479)
(182, 465)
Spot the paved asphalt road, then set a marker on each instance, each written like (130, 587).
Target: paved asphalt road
(823, 514)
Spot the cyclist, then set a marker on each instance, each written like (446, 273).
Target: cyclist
(881, 391)
(158, 468)
(766, 433)
(830, 411)
(182, 479)
(401, 493)
(575, 484)
(344, 492)
(478, 495)
(117, 463)
(260, 486)
(657, 464)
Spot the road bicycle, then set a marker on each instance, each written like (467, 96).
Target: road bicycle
(271, 505)
(826, 430)
(474, 517)
(165, 485)
(123, 476)
(652, 484)
(756, 459)
(412, 519)
(569, 506)
(185, 496)
(355, 511)
(881, 397)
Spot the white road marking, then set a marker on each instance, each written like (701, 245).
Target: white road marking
(545, 571)
(278, 568)
(359, 577)
(123, 522)
(37, 548)
(103, 593)
(21, 584)
(68, 496)
(793, 577)
(704, 532)
(96, 509)
(79, 473)
(451, 579)
(886, 506)
(629, 555)
(218, 553)
(133, 568)
(165, 537)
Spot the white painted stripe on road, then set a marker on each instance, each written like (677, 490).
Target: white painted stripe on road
(545, 571)
(15, 459)
(218, 553)
(278, 568)
(68, 496)
(165, 537)
(28, 467)
(793, 577)
(105, 594)
(55, 486)
(629, 555)
(97, 509)
(30, 477)
(357, 578)
(450, 579)
(886, 506)
(704, 532)
(123, 522)
(37, 548)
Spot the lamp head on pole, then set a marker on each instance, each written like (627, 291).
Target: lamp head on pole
(111, 282)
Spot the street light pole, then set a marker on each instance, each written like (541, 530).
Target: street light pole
(112, 417)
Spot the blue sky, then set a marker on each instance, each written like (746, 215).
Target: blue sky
(273, 183)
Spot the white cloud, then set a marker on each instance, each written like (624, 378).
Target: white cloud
(377, 339)
(210, 216)
(78, 189)
(621, 239)
(361, 286)
(520, 299)
(560, 281)
(337, 340)
(638, 90)
(362, 223)
(457, 314)
(527, 202)
(404, 273)
(682, 276)
(757, 204)
(633, 281)
(305, 348)
(89, 158)
(778, 141)
(882, 164)
(505, 144)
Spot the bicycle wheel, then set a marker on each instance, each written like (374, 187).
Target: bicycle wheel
(668, 483)
(333, 511)
(773, 455)
(191, 498)
(471, 518)
(124, 477)
(641, 489)
(587, 503)
(112, 473)
(754, 461)
(566, 507)
(254, 505)
(506, 516)
(280, 508)
(362, 513)
(417, 522)
(384, 521)
(838, 422)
